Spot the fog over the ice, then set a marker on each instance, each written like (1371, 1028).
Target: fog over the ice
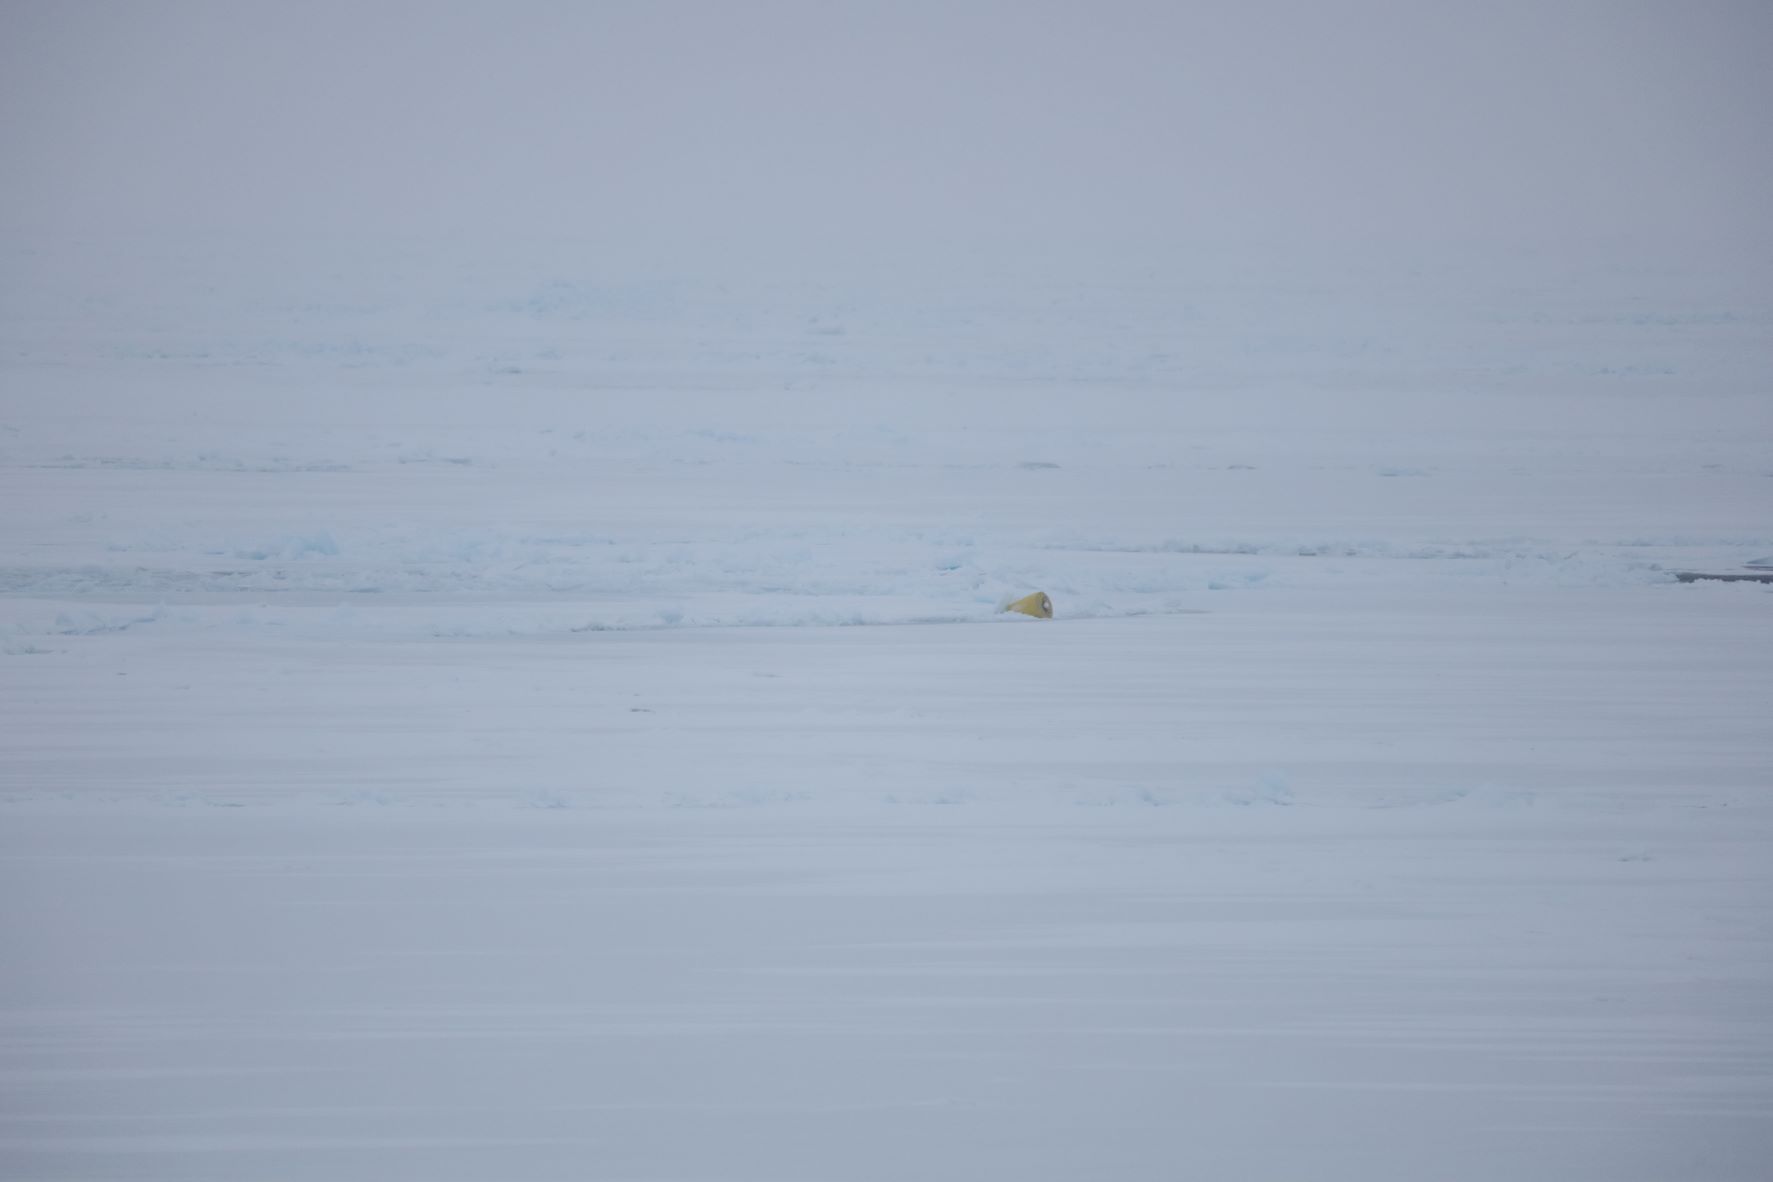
(832, 131)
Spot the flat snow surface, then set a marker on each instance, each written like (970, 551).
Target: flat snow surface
(507, 723)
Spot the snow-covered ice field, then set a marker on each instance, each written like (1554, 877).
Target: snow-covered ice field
(502, 721)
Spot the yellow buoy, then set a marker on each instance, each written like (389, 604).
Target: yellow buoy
(1036, 605)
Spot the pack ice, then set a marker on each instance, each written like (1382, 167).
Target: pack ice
(510, 721)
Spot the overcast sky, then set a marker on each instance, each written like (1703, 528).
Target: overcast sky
(896, 126)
